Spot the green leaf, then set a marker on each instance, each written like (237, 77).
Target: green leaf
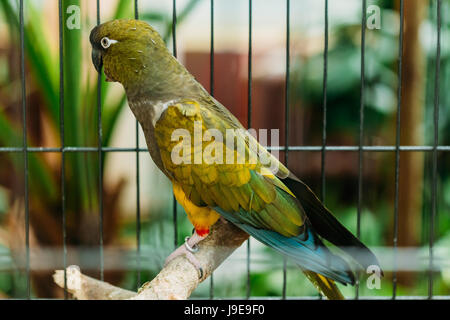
(41, 61)
(124, 9)
(42, 183)
(110, 119)
(180, 18)
(154, 16)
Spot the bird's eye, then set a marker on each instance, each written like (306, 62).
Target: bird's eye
(105, 42)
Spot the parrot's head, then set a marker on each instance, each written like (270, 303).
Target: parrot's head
(127, 50)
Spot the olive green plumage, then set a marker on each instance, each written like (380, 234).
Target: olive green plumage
(229, 186)
(165, 97)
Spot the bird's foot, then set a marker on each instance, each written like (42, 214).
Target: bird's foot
(188, 249)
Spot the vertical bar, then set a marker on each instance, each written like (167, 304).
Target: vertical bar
(397, 149)
(250, 60)
(174, 38)
(211, 89)
(63, 156)
(324, 104)
(286, 120)
(249, 116)
(435, 151)
(138, 187)
(361, 131)
(136, 9)
(324, 109)
(211, 51)
(25, 147)
(174, 27)
(100, 155)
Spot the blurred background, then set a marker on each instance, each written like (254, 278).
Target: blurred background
(129, 264)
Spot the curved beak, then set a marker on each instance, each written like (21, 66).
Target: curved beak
(97, 59)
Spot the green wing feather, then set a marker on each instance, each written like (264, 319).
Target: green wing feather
(228, 186)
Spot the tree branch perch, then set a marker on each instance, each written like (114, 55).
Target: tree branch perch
(176, 281)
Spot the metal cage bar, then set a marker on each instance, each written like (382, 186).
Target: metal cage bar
(440, 148)
(249, 120)
(211, 91)
(361, 132)
(435, 151)
(25, 147)
(324, 105)
(138, 188)
(397, 148)
(62, 137)
(324, 109)
(174, 44)
(100, 163)
(286, 119)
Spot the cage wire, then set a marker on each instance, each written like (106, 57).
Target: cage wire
(324, 148)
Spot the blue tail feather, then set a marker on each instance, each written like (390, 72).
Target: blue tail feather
(306, 250)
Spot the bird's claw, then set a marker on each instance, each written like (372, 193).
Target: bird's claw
(188, 249)
(192, 249)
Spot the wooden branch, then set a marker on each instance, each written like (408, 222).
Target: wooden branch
(86, 288)
(176, 281)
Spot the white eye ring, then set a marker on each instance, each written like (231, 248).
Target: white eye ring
(106, 42)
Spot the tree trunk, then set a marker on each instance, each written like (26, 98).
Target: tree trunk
(413, 102)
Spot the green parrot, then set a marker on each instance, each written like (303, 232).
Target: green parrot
(263, 198)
